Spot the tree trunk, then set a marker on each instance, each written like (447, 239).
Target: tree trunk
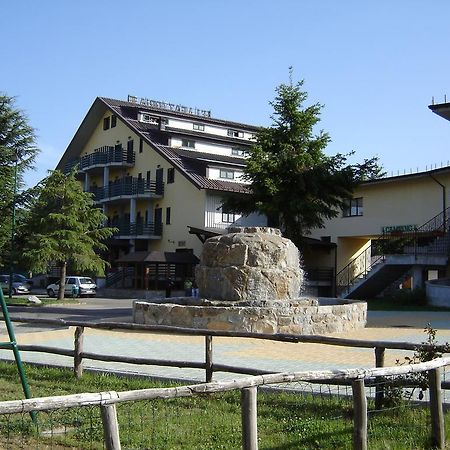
(62, 280)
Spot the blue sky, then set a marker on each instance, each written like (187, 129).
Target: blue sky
(375, 66)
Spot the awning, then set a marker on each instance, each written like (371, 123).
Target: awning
(203, 234)
(159, 257)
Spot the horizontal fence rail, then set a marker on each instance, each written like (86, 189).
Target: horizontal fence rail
(356, 381)
(358, 378)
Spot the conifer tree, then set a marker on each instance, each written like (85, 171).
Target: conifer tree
(292, 181)
(17, 153)
(63, 226)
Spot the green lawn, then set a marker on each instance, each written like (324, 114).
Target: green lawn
(209, 422)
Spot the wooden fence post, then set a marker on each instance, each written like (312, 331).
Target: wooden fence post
(208, 358)
(359, 415)
(379, 390)
(249, 417)
(78, 350)
(436, 409)
(110, 427)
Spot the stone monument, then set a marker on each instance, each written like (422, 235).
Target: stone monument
(250, 279)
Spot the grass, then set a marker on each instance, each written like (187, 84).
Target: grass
(23, 301)
(207, 422)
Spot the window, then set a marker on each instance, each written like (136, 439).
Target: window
(170, 175)
(354, 207)
(141, 145)
(235, 133)
(168, 216)
(130, 145)
(227, 216)
(106, 123)
(238, 152)
(187, 143)
(226, 174)
(198, 126)
(113, 121)
(147, 118)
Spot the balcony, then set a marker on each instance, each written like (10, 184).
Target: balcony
(127, 188)
(101, 157)
(127, 230)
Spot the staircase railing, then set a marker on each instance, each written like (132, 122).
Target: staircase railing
(432, 237)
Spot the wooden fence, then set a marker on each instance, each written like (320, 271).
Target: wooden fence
(358, 378)
(248, 386)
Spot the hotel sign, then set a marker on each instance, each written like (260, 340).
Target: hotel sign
(169, 106)
(398, 228)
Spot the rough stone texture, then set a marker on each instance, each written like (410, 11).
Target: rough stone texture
(250, 280)
(269, 317)
(251, 263)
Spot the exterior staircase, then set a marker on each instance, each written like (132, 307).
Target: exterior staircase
(396, 253)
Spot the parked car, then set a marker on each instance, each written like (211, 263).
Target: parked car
(80, 286)
(19, 286)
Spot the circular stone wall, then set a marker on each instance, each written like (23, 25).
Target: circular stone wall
(251, 263)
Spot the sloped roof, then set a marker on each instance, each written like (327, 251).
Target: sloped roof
(188, 162)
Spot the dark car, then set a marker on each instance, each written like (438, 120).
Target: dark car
(20, 285)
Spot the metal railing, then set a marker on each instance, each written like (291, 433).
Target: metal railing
(102, 156)
(137, 229)
(128, 187)
(431, 238)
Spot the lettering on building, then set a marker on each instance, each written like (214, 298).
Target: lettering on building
(398, 228)
(169, 106)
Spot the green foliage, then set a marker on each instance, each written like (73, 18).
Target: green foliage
(17, 153)
(63, 226)
(394, 394)
(292, 180)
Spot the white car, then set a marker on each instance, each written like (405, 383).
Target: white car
(78, 286)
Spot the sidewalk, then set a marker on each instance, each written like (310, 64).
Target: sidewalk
(251, 353)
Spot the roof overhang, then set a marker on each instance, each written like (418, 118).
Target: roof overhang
(441, 109)
(154, 257)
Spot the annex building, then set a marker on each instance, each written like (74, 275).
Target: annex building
(159, 171)
(395, 231)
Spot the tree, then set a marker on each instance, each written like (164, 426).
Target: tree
(17, 153)
(292, 181)
(63, 226)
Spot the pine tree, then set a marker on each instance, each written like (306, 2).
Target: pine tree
(63, 226)
(17, 153)
(292, 181)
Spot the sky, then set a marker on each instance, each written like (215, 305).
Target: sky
(374, 66)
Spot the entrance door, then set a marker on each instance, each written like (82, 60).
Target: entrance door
(159, 181)
(158, 221)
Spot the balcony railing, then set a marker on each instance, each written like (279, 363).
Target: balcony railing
(137, 229)
(128, 187)
(103, 156)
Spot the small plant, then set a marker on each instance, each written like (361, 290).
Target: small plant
(427, 351)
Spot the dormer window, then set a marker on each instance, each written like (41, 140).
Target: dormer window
(188, 143)
(198, 127)
(147, 118)
(238, 152)
(235, 133)
(226, 174)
